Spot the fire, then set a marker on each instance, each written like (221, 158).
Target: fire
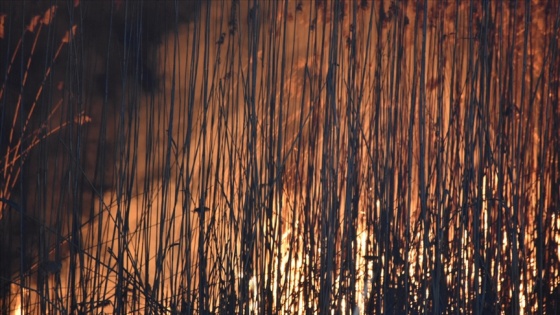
(364, 157)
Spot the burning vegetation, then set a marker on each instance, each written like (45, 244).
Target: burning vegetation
(280, 157)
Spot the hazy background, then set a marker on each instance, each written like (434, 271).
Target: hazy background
(373, 156)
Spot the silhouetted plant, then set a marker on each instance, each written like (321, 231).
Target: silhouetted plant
(377, 157)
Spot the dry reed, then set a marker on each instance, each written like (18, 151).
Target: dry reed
(225, 157)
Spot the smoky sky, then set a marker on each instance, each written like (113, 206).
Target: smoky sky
(299, 126)
(114, 42)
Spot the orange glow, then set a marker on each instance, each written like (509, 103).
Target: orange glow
(299, 157)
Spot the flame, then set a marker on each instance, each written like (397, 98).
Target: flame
(311, 160)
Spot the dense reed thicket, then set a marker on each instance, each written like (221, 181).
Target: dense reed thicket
(244, 156)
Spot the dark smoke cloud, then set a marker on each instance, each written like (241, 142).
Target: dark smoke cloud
(115, 42)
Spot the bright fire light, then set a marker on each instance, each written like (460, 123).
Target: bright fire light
(283, 157)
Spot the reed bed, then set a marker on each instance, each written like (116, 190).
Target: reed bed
(280, 157)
